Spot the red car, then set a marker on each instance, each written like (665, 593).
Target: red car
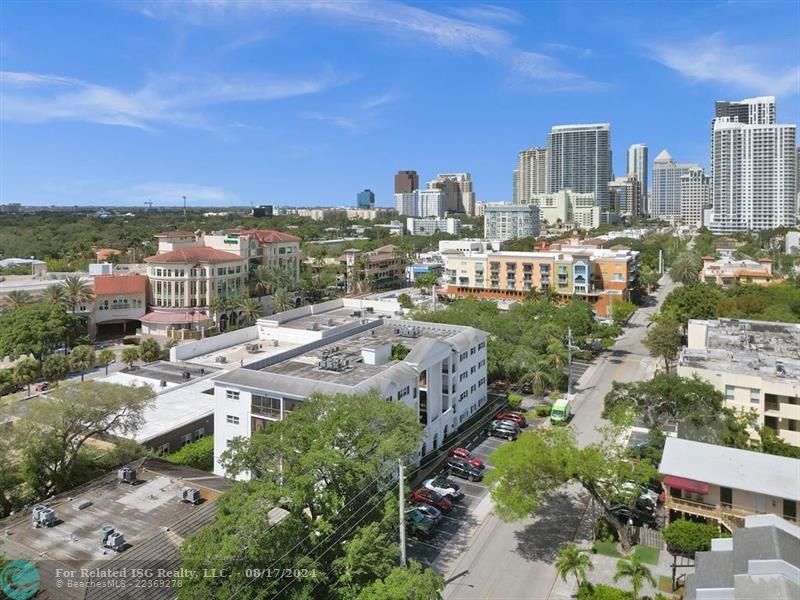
(426, 496)
(517, 417)
(468, 456)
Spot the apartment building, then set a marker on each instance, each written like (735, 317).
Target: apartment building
(756, 364)
(568, 209)
(261, 247)
(638, 166)
(333, 349)
(598, 276)
(405, 203)
(510, 222)
(382, 268)
(531, 174)
(579, 159)
(458, 194)
(728, 272)
(760, 560)
(431, 203)
(433, 225)
(726, 485)
(695, 196)
(665, 200)
(624, 196)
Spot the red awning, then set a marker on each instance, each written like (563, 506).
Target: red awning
(687, 485)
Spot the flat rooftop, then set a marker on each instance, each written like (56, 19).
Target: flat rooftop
(761, 348)
(152, 518)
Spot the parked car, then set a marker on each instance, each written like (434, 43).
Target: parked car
(444, 486)
(468, 456)
(512, 415)
(425, 495)
(429, 511)
(40, 387)
(418, 524)
(503, 429)
(462, 468)
(638, 518)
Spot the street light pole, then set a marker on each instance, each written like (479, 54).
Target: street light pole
(402, 516)
(569, 354)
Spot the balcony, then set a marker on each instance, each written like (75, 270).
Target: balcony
(731, 517)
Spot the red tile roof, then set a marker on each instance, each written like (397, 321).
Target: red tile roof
(266, 236)
(194, 255)
(176, 233)
(108, 285)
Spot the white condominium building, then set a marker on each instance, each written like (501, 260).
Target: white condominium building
(665, 199)
(638, 165)
(405, 203)
(754, 186)
(431, 203)
(433, 225)
(568, 209)
(510, 222)
(532, 174)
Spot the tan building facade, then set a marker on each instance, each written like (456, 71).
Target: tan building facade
(382, 268)
(729, 272)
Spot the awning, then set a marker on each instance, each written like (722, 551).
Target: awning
(175, 317)
(687, 485)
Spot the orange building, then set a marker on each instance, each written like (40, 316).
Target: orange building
(727, 272)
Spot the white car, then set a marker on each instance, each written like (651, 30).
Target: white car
(443, 486)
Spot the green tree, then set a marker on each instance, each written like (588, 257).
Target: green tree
(399, 352)
(149, 350)
(623, 311)
(686, 268)
(27, 371)
(267, 279)
(280, 300)
(10, 477)
(687, 537)
(369, 556)
(539, 377)
(130, 355)
(573, 561)
(405, 301)
(636, 571)
(105, 357)
(16, 299)
(426, 281)
(55, 367)
(82, 358)
(649, 278)
(664, 340)
(771, 443)
(695, 301)
(55, 294)
(250, 310)
(77, 292)
(55, 430)
(198, 454)
(538, 463)
(415, 582)
(7, 380)
(36, 329)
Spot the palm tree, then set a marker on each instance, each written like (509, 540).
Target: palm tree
(573, 560)
(686, 268)
(250, 309)
(219, 306)
(539, 378)
(280, 300)
(106, 357)
(77, 291)
(130, 355)
(16, 299)
(82, 358)
(55, 294)
(268, 279)
(636, 571)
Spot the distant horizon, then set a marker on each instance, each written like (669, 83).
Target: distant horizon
(227, 101)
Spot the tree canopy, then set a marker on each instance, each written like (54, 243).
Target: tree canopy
(37, 329)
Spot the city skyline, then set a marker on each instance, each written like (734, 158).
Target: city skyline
(233, 104)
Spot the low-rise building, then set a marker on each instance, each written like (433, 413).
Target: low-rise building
(726, 485)
(568, 209)
(599, 276)
(760, 560)
(728, 272)
(756, 364)
(382, 268)
(510, 222)
(120, 303)
(338, 350)
(433, 225)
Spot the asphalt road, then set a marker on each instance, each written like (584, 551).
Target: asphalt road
(514, 561)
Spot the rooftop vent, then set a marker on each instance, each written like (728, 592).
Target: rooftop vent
(313, 326)
(127, 475)
(334, 363)
(779, 368)
(43, 516)
(407, 331)
(190, 495)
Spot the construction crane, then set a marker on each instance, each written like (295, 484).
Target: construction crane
(149, 204)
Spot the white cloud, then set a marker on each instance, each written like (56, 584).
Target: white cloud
(712, 59)
(339, 121)
(171, 193)
(548, 75)
(174, 100)
(378, 101)
(472, 33)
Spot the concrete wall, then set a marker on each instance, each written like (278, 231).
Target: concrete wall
(212, 344)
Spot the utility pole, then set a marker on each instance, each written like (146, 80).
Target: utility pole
(402, 475)
(569, 361)
(660, 262)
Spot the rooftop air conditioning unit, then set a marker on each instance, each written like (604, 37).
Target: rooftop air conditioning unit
(43, 516)
(127, 475)
(274, 342)
(220, 359)
(113, 539)
(190, 495)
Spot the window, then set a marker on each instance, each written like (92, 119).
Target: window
(233, 420)
(472, 369)
(755, 396)
(729, 392)
(186, 439)
(471, 351)
(163, 449)
(267, 406)
(198, 433)
(232, 394)
(482, 345)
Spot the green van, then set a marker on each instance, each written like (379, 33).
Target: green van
(560, 411)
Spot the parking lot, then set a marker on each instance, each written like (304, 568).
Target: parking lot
(455, 529)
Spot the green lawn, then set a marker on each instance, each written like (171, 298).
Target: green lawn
(645, 553)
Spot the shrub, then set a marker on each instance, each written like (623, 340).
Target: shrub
(687, 537)
(543, 410)
(199, 454)
(514, 401)
(405, 301)
(600, 591)
(604, 532)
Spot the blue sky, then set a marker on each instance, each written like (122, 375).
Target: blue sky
(295, 103)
